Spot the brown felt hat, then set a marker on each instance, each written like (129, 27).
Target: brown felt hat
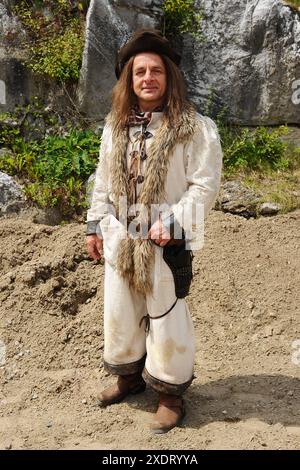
(145, 40)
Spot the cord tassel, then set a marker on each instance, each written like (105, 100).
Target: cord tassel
(147, 318)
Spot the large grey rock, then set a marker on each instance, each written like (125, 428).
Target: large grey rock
(109, 24)
(11, 195)
(249, 62)
(237, 199)
(251, 59)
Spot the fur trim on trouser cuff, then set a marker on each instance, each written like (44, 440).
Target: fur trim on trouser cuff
(164, 387)
(125, 369)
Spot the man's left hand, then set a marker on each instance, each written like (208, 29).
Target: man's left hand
(159, 234)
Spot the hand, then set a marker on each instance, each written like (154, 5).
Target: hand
(94, 246)
(159, 234)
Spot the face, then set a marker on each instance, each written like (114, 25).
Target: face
(149, 80)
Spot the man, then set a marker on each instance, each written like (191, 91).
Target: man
(155, 150)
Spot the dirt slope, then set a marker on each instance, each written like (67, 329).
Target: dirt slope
(245, 305)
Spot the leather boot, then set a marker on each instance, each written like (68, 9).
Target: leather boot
(125, 385)
(169, 414)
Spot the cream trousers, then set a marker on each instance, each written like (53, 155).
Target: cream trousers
(166, 353)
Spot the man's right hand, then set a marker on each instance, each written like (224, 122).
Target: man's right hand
(94, 246)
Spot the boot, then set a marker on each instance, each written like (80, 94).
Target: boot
(169, 414)
(125, 385)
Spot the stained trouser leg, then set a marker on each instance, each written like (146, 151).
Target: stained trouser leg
(124, 341)
(170, 342)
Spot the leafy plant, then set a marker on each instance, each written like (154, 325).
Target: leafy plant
(253, 149)
(182, 16)
(55, 30)
(55, 169)
(293, 3)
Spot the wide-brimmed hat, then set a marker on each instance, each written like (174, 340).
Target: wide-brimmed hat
(145, 40)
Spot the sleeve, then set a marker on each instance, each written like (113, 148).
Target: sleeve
(203, 175)
(99, 202)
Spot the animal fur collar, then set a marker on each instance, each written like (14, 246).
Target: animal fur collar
(136, 256)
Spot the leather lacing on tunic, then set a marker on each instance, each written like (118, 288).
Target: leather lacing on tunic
(137, 155)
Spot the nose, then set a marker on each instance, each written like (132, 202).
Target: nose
(148, 74)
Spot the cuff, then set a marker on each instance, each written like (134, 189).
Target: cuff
(125, 369)
(165, 387)
(93, 228)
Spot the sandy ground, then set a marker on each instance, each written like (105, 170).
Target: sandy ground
(245, 304)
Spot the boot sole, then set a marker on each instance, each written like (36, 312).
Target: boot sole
(163, 430)
(121, 397)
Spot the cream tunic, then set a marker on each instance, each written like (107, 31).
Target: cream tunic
(193, 177)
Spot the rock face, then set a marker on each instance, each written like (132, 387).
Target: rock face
(249, 61)
(18, 85)
(248, 64)
(109, 24)
(10, 195)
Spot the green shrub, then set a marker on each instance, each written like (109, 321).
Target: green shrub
(181, 16)
(55, 169)
(55, 29)
(60, 57)
(253, 149)
(293, 3)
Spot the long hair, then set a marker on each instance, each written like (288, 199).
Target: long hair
(124, 98)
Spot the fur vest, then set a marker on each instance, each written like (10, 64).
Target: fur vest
(135, 256)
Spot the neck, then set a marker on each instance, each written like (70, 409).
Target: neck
(146, 107)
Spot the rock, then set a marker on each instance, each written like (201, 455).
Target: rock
(236, 199)
(11, 195)
(250, 304)
(29, 278)
(268, 331)
(109, 25)
(278, 329)
(269, 208)
(242, 62)
(18, 84)
(11, 31)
